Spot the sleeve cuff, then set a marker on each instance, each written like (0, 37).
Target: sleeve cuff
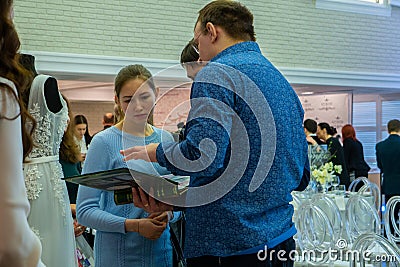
(160, 153)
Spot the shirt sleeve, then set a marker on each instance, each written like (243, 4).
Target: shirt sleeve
(207, 134)
(88, 208)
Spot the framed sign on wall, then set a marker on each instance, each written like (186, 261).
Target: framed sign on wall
(334, 109)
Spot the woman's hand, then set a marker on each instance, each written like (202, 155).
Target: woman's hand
(149, 228)
(78, 228)
(162, 216)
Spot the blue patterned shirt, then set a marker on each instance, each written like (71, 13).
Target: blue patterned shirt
(244, 129)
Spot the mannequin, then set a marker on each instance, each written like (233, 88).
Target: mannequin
(51, 94)
(50, 215)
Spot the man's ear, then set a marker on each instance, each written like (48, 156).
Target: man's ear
(157, 91)
(212, 31)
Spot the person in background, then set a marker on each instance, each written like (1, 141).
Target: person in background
(353, 154)
(70, 160)
(241, 222)
(108, 120)
(81, 134)
(190, 60)
(19, 246)
(326, 133)
(387, 158)
(70, 156)
(126, 235)
(310, 130)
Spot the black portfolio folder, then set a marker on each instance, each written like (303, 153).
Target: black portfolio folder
(122, 180)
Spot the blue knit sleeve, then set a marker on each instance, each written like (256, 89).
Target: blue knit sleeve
(88, 208)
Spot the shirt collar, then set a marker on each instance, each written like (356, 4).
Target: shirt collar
(239, 47)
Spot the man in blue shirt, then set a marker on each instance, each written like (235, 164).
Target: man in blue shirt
(244, 149)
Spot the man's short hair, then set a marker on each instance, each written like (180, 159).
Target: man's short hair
(310, 125)
(232, 16)
(108, 118)
(393, 126)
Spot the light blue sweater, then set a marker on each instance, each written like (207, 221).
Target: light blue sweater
(96, 208)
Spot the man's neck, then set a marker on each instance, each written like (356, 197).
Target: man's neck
(225, 41)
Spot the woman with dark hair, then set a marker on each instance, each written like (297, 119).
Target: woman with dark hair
(325, 132)
(81, 134)
(353, 153)
(19, 246)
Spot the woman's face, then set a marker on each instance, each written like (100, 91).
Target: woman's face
(141, 98)
(80, 130)
(321, 133)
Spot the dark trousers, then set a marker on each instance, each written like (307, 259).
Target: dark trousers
(269, 260)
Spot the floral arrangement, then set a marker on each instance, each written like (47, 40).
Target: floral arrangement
(322, 169)
(325, 172)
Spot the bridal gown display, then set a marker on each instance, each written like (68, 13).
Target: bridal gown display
(50, 216)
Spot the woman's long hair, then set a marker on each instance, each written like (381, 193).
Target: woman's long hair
(69, 150)
(348, 132)
(12, 70)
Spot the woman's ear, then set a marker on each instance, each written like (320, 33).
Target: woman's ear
(116, 100)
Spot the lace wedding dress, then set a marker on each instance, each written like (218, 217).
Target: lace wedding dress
(50, 216)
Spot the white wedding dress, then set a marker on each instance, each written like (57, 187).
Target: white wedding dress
(50, 217)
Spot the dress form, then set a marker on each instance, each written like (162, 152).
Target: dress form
(51, 93)
(50, 215)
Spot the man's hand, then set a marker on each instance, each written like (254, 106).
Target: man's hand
(144, 201)
(147, 153)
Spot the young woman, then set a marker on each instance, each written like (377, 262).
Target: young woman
(81, 133)
(126, 235)
(354, 153)
(325, 132)
(19, 246)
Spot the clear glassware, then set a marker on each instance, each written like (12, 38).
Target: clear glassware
(341, 190)
(335, 182)
(328, 184)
